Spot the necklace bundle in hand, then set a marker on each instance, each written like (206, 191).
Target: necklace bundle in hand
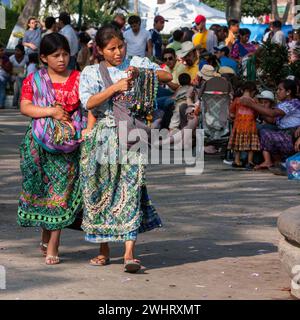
(63, 131)
(141, 98)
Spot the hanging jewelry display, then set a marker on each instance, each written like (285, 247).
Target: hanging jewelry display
(141, 99)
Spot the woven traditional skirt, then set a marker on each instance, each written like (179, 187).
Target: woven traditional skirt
(51, 195)
(244, 141)
(277, 142)
(116, 202)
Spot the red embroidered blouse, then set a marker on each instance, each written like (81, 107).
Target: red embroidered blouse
(67, 93)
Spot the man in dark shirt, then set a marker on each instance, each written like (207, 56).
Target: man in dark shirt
(159, 23)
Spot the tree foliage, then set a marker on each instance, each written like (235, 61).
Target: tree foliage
(94, 11)
(249, 7)
(272, 60)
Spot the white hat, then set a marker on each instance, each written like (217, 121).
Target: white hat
(226, 70)
(186, 48)
(266, 94)
(207, 72)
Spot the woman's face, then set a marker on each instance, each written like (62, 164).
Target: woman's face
(282, 94)
(296, 36)
(57, 61)
(19, 53)
(114, 52)
(245, 38)
(32, 24)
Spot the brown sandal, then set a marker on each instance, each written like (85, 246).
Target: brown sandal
(132, 266)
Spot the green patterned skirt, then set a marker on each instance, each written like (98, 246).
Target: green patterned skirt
(51, 195)
(116, 202)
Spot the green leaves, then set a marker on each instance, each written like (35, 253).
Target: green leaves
(273, 62)
(249, 7)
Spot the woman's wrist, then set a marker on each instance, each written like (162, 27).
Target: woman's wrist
(115, 88)
(49, 112)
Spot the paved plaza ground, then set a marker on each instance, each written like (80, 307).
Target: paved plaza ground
(219, 239)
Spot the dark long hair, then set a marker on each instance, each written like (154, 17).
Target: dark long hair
(53, 42)
(106, 33)
(290, 85)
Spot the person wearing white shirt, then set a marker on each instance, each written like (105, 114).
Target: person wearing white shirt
(66, 30)
(278, 37)
(137, 39)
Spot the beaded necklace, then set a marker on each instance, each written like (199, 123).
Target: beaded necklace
(141, 99)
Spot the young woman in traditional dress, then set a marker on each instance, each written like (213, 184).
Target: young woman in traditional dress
(50, 196)
(116, 203)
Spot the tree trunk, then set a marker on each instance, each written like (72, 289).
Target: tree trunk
(136, 7)
(32, 8)
(275, 13)
(234, 9)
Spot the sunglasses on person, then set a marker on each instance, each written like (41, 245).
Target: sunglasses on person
(168, 58)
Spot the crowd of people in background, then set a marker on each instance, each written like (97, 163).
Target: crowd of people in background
(193, 56)
(80, 83)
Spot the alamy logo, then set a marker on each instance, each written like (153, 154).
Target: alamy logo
(185, 147)
(2, 278)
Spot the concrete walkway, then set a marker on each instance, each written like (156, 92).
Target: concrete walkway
(219, 239)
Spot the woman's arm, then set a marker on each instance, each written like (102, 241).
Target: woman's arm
(91, 121)
(35, 112)
(30, 45)
(173, 86)
(90, 124)
(261, 109)
(149, 48)
(164, 76)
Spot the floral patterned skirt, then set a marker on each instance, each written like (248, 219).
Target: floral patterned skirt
(116, 202)
(51, 195)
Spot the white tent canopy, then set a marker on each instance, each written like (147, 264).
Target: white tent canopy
(180, 13)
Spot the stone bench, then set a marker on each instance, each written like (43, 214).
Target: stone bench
(289, 246)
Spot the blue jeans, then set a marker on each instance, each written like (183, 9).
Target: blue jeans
(163, 92)
(166, 104)
(164, 100)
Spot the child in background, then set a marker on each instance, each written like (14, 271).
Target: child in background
(84, 54)
(185, 95)
(5, 72)
(244, 135)
(33, 63)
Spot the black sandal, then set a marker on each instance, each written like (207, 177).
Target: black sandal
(235, 165)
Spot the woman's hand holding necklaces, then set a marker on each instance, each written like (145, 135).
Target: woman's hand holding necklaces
(58, 113)
(123, 85)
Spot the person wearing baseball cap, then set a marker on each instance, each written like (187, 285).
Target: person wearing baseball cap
(222, 53)
(204, 38)
(159, 23)
(266, 95)
(267, 99)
